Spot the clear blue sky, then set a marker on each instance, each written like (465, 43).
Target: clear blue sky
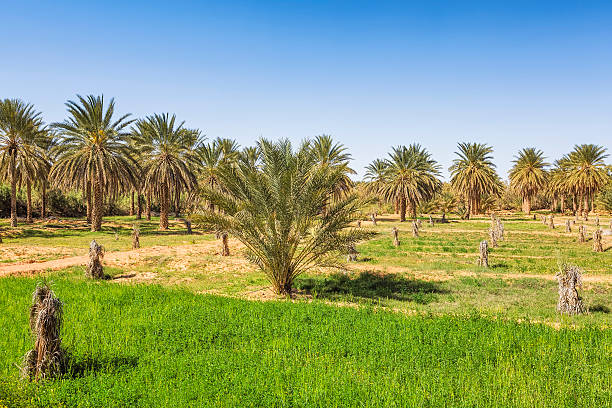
(372, 74)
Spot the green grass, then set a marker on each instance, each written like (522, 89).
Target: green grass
(148, 346)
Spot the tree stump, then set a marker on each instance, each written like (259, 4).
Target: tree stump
(415, 229)
(358, 223)
(544, 219)
(47, 358)
(188, 226)
(395, 233)
(135, 237)
(419, 223)
(431, 221)
(568, 227)
(224, 246)
(373, 216)
(581, 233)
(94, 265)
(597, 221)
(483, 259)
(597, 246)
(569, 278)
(352, 254)
(551, 222)
(493, 237)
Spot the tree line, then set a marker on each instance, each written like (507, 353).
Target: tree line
(158, 159)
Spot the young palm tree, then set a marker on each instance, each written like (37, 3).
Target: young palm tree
(586, 172)
(169, 160)
(277, 212)
(20, 153)
(411, 177)
(250, 156)
(473, 174)
(445, 201)
(214, 158)
(94, 154)
(528, 175)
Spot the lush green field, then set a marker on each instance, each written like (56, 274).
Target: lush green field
(152, 346)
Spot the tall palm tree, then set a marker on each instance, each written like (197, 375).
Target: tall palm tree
(586, 172)
(375, 175)
(528, 175)
(169, 160)
(276, 211)
(20, 153)
(94, 154)
(215, 158)
(411, 177)
(473, 174)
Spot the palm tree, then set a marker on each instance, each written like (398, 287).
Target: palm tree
(216, 157)
(586, 172)
(528, 175)
(411, 177)
(333, 155)
(277, 212)
(473, 174)
(169, 160)
(94, 154)
(20, 154)
(445, 201)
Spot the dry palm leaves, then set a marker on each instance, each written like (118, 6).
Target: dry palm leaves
(569, 277)
(47, 358)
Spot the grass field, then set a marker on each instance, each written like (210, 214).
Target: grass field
(150, 346)
(418, 325)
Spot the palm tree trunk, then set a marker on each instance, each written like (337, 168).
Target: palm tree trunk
(165, 207)
(402, 203)
(29, 202)
(139, 206)
(149, 204)
(574, 203)
(98, 205)
(89, 203)
(526, 205)
(178, 203)
(13, 192)
(562, 203)
(586, 203)
(43, 200)
(132, 204)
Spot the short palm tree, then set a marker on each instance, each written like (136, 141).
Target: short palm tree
(586, 172)
(20, 152)
(169, 159)
(93, 154)
(528, 175)
(473, 174)
(445, 201)
(411, 177)
(276, 211)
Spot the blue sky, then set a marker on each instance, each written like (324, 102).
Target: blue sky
(372, 74)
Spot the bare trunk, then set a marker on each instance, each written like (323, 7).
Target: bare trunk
(164, 207)
(89, 203)
(177, 206)
(483, 259)
(402, 209)
(135, 237)
(29, 202)
(139, 206)
(148, 204)
(527, 205)
(562, 203)
(132, 204)
(13, 192)
(43, 200)
(98, 206)
(94, 265)
(597, 246)
(395, 233)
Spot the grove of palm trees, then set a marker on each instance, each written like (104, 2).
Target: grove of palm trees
(152, 245)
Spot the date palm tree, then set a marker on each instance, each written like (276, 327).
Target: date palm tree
(169, 160)
(473, 174)
(93, 153)
(586, 172)
(20, 153)
(216, 157)
(528, 175)
(276, 211)
(411, 177)
(327, 153)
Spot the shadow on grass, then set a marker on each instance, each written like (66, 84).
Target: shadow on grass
(83, 366)
(599, 309)
(368, 285)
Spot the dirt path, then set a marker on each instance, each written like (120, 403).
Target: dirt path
(120, 258)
